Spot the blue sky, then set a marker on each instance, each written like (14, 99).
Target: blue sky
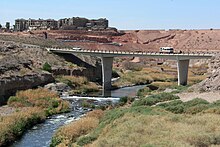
(122, 14)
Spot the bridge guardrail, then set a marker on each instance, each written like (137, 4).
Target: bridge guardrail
(135, 53)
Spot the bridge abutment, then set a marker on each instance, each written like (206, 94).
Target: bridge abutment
(107, 72)
(182, 68)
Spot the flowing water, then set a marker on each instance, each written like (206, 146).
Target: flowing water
(41, 134)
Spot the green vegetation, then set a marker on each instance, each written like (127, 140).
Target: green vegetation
(144, 76)
(47, 67)
(156, 119)
(133, 66)
(33, 107)
(14, 125)
(163, 79)
(172, 123)
(154, 99)
(80, 85)
(47, 100)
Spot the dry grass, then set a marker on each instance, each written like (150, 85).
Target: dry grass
(35, 105)
(79, 84)
(12, 126)
(96, 114)
(154, 130)
(43, 98)
(76, 80)
(149, 75)
(68, 134)
(164, 85)
(145, 76)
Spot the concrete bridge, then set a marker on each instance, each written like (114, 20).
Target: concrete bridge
(107, 60)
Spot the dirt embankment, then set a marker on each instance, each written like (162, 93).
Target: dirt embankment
(138, 40)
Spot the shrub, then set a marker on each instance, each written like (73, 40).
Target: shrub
(196, 109)
(43, 98)
(14, 125)
(133, 66)
(47, 67)
(72, 131)
(191, 107)
(123, 100)
(154, 99)
(85, 140)
(144, 91)
(196, 101)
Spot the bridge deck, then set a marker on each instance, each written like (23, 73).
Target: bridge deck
(104, 53)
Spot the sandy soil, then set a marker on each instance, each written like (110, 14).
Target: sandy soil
(209, 96)
(6, 110)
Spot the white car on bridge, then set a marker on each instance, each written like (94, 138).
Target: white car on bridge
(166, 50)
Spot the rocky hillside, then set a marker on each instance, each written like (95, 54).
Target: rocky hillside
(185, 40)
(21, 67)
(212, 82)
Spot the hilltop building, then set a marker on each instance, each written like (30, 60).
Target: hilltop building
(32, 24)
(82, 23)
(74, 23)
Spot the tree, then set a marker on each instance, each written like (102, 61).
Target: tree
(47, 67)
(0, 26)
(7, 25)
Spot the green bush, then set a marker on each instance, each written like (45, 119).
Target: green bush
(123, 100)
(133, 66)
(85, 140)
(47, 67)
(195, 102)
(154, 99)
(14, 101)
(196, 109)
(143, 92)
(191, 107)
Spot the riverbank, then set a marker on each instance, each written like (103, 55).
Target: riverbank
(142, 123)
(26, 109)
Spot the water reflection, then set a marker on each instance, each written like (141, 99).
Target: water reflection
(122, 92)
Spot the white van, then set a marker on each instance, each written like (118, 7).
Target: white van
(166, 50)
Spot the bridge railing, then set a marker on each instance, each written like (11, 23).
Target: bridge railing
(201, 53)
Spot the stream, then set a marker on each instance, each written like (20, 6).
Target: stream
(40, 135)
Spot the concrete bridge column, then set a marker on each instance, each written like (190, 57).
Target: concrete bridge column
(107, 72)
(182, 67)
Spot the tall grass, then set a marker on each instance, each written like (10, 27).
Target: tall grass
(79, 84)
(154, 99)
(14, 125)
(198, 124)
(34, 106)
(43, 98)
(161, 130)
(68, 134)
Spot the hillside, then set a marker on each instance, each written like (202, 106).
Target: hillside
(21, 67)
(137, 40)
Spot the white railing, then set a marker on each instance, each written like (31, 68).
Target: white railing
(131, 52)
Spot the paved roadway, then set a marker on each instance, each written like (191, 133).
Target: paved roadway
(103, 53)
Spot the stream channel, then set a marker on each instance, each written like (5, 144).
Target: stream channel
(40, 135)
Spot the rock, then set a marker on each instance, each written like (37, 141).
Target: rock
(58, 87)
(10, 85)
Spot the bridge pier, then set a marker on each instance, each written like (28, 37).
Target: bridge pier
(182, 68)
(107, 72)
